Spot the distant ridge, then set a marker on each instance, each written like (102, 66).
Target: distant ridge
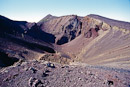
(112, 22)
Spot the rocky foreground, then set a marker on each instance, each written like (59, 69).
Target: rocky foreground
(45, 74)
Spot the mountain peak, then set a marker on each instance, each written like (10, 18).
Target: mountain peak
(49, 15)
(47, 18)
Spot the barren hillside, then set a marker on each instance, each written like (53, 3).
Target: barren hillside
(72, 51)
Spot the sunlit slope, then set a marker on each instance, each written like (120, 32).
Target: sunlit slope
(110, 45)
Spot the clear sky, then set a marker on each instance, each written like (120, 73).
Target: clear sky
(34, 10)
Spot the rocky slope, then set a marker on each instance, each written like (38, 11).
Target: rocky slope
(65, 28)
(91, 38)
(14, 27)
(100, 43)
(45, 74)
(83, 39)
(17, 41)
(82, 48)
(121, 24)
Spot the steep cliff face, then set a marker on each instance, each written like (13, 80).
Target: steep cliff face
(65, 28)
(91, 29)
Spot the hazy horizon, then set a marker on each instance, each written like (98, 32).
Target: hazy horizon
(35, 10)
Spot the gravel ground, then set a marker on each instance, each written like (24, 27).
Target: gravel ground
(46, 74)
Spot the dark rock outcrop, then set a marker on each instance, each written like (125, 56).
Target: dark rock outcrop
(5, 60)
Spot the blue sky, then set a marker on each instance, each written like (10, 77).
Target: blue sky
(34, 10)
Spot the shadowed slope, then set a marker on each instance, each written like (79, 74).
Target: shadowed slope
(37, 33)
(23, 40)
(13, 27)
